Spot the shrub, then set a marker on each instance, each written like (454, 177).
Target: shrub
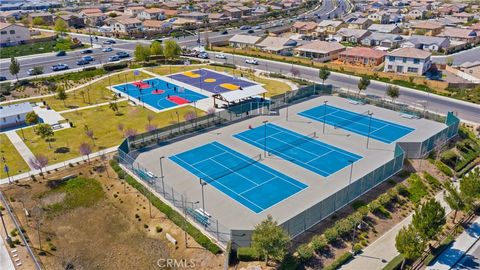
(444, 168)
(395, 263)
(115, 66)
(339, 262)
(402, 189)
(374, 205)
(331, 234)
(393, 193)
(363, 211)
(432, 181)
(343, 226)
(158, 229)
(305, 252)
(289, 263)
(357, 204)
(449, 157)
(384, 199)
(247, 254)
(417, 189)
(319, 242)
(357, 248)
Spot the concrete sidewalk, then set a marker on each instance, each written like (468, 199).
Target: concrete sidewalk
(5, 260)
(455, 252)
(21, 147)
(383, 250)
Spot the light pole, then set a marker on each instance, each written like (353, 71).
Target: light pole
(265, 139)
(162, 176)
(185, 223)
(324, 114)
(7, 238)
(369, 127)
(202, 184)
(178, 121)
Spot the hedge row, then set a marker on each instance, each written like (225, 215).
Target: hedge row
(444, 168)
(247, 254)
(339, 262)
(115, 66)
(173, 215)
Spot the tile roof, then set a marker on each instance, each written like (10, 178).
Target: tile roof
(363, 52)
(410, 52)
(321, 47)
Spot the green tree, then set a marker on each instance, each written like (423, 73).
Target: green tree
(31, 118)
(25, 22)
(323, 74)
(470, 188)
(393, 92)
(141, 53)
(409, 243)
(270, 240)
(45, 131)
(112, 15)
(14, 67)
(363, 84)
(428, 219)
(156, 48)
(453, 198)
(114, 107)
(62, 95)
(60, 26)
(38, 21)
(171, 49)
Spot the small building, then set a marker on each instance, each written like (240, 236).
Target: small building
(351, 35)
(12, 34)
(14, 115)
(197, 16)
(426, 43)
(151, 14)
(71, 20)
(304, 28)
(426, 28)
(385, 28)
(362, 56)
(321, 51)
(379, 17)
(134, 11)
(156, 26)
(460, 34)
(243, 41)
(277, 45)
(384, 40)
(126, 25)
(216, 17)
(408, 60)
(360, 23)
(46, 18)
(233, 12)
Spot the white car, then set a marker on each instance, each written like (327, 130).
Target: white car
(251, 61)
(108, 49)
(220, 56)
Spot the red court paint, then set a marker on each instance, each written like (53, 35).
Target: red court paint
(158, 92)
(141, 85)
(178, 100)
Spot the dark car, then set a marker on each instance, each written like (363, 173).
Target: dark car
(82, 62)
(61, 53)
(109, 42)
(224, 32)
(87, 51)
(3, 78)
(250, 31)
(123, 54)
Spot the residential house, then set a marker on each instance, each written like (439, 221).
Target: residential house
(277, 45)
(426, 43)
(475, 27)
(125, 25)
(321, 51)
(379, 17)
(351, 35)
(215, 17)
(156, 26)
(463, 16)
(14, 115)
(12, 34)
(47, 18)
(416, 14)
(169, 13)
(233, 12)
(151, 14)
(460, 34)
(385, 28)
(134, 11)
(195, 15)
(426, 28)
(360, 23)
(85, 11)
(304, 28)
(72, 20)
(384, 40)
(243, 41)
(329, 27)
(362, 56)
(246, 11)
(95, 19)
(259, 10)
(408, 60)
(6, 16)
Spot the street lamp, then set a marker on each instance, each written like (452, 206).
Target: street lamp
(369, 126)
(178, 121)
(265, 138)
(202, 184)
(7, 238)
(162, 176)
(324, 114)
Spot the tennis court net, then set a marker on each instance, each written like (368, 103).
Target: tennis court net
(356, 118)
(241, 165)
(289, 145)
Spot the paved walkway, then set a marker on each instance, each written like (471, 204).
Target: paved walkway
(57, 166)
(383, 250)
(455, 252)
(5, 261)
(21, 147)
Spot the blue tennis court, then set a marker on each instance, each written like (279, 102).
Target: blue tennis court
(359, 123)
(159, 93)
(211, 81)
(242, 178)
(305, 151)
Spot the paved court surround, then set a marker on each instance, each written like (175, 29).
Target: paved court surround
(242, 178)
(359, 123)
(305, 151)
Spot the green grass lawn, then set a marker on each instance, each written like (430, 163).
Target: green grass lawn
(273, 87)
(78, 192)
(104, 124)
(94, 93)
(35, 48)
(13, 159)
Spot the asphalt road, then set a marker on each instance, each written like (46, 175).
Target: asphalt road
(466, 111)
